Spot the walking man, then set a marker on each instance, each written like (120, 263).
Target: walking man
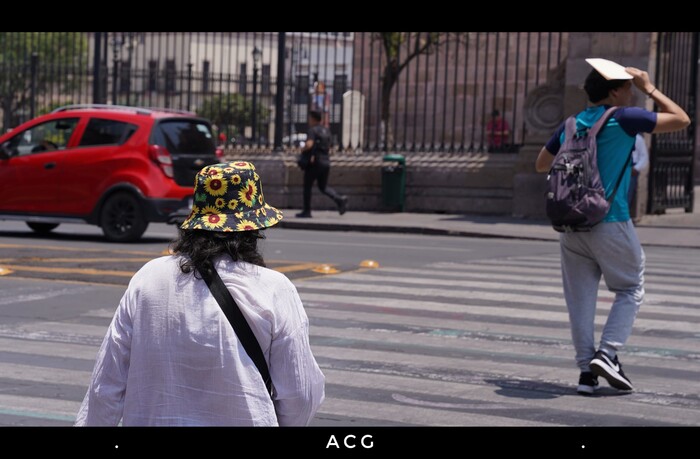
(318, 143)
(611, 248)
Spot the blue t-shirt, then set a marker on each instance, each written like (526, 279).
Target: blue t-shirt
(615, 142)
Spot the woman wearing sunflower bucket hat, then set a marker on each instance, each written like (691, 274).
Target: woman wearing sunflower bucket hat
(171, 356)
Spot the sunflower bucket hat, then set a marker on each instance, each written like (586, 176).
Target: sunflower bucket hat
(228, 197)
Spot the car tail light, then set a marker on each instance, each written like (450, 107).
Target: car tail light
(161, 156)
(219, 153)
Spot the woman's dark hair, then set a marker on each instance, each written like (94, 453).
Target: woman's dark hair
(598, 88)
(200, 247)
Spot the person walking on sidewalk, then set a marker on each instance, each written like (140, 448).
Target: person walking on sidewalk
(640, 161)
(171, 356)
(611, 248)
(318, 143)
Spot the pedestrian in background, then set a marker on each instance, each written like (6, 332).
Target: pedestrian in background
(171, 357)
(640, 161)
(611, 248)
(318, 165)
(497, 132)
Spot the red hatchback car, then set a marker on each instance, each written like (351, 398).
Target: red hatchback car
(116, 167)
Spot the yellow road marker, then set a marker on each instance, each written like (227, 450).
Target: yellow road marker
(325, 269)
(292, 268)
(369, 264)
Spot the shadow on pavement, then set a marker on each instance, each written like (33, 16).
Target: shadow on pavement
(518, 388)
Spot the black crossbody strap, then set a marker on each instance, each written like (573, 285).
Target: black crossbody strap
(619, 179)
(238, 322)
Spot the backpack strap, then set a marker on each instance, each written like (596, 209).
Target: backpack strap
(619, 178)
(602, 121)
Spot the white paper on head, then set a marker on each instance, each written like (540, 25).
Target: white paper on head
(609, 69)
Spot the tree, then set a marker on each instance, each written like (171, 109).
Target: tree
(232, 112)
(397, 58)
(57, 53)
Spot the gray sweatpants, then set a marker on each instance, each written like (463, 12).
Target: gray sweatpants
(613, 250)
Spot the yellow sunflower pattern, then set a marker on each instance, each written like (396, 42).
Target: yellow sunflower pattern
(212, 219)
(246, 225)
(213, 171)
(248, 192)
(229, 198)
(215, 186)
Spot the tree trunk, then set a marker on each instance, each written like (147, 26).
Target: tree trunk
(388, 82)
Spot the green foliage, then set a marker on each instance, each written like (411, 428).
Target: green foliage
(233, 111)
(54, 50)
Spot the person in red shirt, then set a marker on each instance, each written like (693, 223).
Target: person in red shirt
(497, 132)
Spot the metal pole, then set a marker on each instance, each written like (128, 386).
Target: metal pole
(96, 67)
(32, 89)
(189, 86)
(279, 94)
(115, 70)
(254, 115)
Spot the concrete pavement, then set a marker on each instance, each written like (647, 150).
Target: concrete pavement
(675, 228)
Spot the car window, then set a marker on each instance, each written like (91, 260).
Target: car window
(48, 136)
(106, 132)
(184, 137)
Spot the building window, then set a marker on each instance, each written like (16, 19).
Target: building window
(265, 79)
(125, 76)
(205, 76)
(152, 75)
(243, 78)
(170, 74)
(301, 90)
(340, 85)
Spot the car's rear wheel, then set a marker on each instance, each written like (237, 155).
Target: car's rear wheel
(42, 228)
(122, 218)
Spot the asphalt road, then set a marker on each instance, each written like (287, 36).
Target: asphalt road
(447, 331)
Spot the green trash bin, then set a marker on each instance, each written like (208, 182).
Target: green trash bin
(393, 182)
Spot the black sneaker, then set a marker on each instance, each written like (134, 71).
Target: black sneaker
(587, 383)
(303, 215)
(342, 205)
(610, 369)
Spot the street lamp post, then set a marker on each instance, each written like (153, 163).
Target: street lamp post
(257, 54)
(116, 47)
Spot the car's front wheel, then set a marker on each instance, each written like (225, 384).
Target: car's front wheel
(42, 228)
(122, 218)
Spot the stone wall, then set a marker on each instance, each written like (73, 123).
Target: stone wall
(468, 183)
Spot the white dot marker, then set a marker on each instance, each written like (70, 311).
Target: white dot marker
(583, 446)
(116, 446)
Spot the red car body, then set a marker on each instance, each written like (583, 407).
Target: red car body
(116, 167)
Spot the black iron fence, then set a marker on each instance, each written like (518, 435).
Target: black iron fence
(378, 91)
(673, 154)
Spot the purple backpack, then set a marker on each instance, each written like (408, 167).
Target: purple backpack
(575, 194)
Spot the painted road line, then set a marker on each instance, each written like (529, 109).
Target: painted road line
(74, 260)
(75, 249)
(88, 271)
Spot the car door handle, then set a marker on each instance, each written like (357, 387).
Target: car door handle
(49, 165)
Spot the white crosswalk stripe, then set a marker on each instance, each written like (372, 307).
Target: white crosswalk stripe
(476, 343)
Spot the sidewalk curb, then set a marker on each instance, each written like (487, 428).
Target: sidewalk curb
(327, 226)
(321, 226)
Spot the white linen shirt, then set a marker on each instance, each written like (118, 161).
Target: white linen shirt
(171, 358)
